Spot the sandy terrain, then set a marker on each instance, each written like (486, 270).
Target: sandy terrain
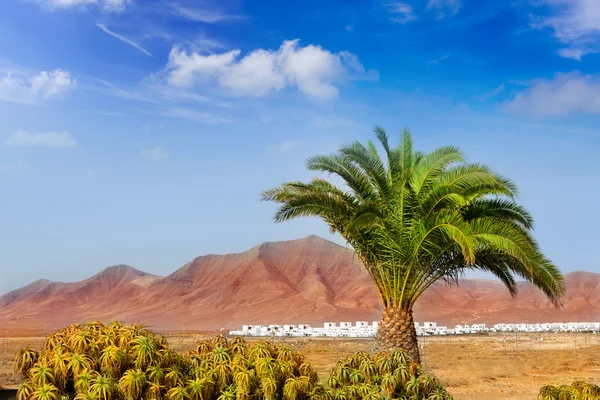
(472, 368)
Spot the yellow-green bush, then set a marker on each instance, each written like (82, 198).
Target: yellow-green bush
(577, 391)
(120, 362)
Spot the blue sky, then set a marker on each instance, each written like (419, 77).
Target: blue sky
(141, 132)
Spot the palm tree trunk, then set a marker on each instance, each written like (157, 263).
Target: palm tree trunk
(397, 331)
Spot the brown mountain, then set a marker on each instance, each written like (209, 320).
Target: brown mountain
(310, 280)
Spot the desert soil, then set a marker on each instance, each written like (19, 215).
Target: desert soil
(471, 367)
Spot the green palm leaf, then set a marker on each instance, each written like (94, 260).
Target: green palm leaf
(415, 219)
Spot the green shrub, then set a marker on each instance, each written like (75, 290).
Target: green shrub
(577, 391)
(120, 362)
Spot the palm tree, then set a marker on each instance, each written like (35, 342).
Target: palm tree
(414, 219)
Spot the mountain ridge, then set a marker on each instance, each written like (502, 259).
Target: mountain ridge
(308, 280)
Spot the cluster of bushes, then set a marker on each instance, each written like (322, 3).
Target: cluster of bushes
(578, 390)
(383, 376)
(120, 362)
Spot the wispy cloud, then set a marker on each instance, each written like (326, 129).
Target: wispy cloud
(123, 39)
(194, 115)
(444, 8)
(20, 87)
(46, 139)
(332, 121)
(574, 23)
(153, 91)
(113, 114)
(282, 147)
(574, 53)
(155, 153)
(402, 13)
(126, 94)
(204, 43)
(566, 94)
(175, 94)
(106, 5)
(439, 60)
(207, 16)
(491, 94)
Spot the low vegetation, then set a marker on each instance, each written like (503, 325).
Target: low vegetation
(121, 362)
(577, 391)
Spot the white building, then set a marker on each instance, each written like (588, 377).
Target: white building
(363, 330)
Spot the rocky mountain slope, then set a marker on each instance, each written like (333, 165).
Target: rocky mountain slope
(310, 280)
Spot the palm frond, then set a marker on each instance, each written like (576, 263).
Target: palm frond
(417, 218)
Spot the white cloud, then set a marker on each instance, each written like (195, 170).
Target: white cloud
(123, 39)
(185, 69)
(283, 147)
(194, 115)
(106, 5)
(155, 153)
(202, 15)
(113, 90)
(47, 139)
(204, 43)
(116, 5)
(573, 53)
(332, 121)
(444, 8)
(565, 94)
(575, 23)
(178, 94)
(311, 69)
(17, 86)
(491, 94)
(439, 60)
(403, 12)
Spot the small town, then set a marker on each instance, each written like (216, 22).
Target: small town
(362, 329)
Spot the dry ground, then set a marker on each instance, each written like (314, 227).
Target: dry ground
(471, 367)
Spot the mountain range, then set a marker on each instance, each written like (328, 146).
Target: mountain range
(310, 280)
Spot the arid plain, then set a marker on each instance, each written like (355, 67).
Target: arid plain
(489, 367)
(312, 280)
